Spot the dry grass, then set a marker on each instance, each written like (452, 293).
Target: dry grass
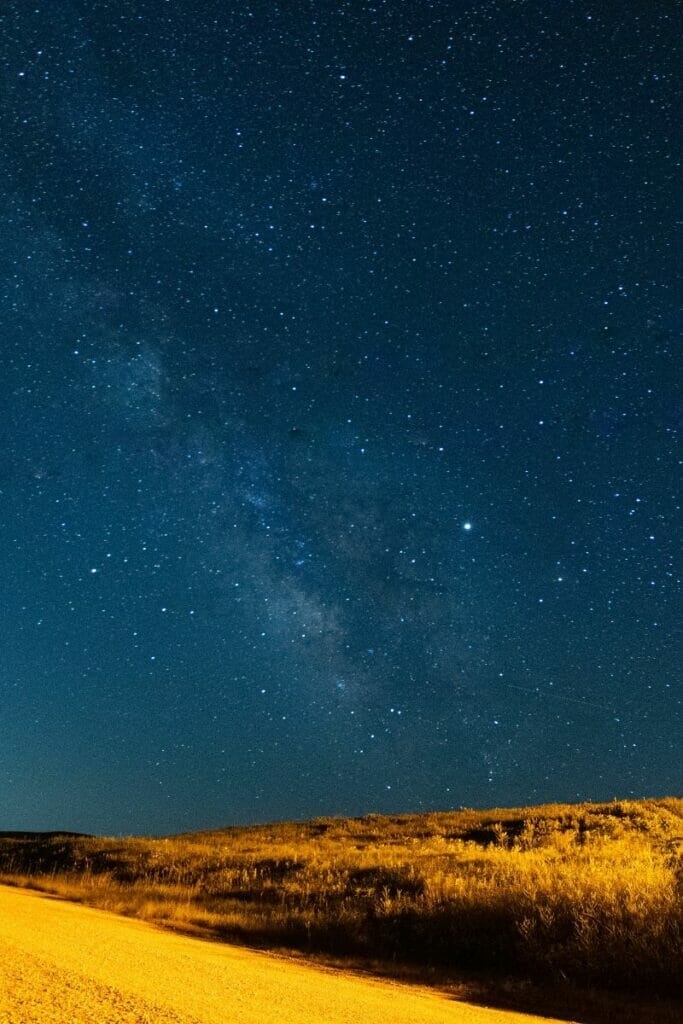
(582, 895)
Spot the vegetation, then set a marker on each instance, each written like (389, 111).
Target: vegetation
(587, 895)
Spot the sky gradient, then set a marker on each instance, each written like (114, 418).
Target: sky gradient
(339, 409)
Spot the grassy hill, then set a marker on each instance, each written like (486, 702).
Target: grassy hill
(585, 895)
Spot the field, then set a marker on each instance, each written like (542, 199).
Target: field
(585, 897)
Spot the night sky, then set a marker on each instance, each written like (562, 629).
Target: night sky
(339, 356)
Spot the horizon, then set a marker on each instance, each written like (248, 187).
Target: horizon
(340, 353)
(266, 823)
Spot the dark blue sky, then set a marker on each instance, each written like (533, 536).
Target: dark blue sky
(339, 408)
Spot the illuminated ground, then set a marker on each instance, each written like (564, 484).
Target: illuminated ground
(67, 964)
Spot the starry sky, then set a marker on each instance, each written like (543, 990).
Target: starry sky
(339, 408)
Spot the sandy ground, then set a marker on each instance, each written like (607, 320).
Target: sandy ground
(61, 963)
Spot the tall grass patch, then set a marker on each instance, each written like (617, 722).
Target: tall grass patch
(588, 894)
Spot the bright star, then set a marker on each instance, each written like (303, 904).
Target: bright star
(467, 526)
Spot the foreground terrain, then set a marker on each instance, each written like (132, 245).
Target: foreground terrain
(582, 899)
(65, 964)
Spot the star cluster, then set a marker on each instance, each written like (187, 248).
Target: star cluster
(339, 349)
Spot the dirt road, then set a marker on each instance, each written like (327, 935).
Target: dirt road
(61, 963)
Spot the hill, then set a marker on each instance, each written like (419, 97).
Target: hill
(580, 895)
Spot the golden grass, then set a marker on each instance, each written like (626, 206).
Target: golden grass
(588, 894)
